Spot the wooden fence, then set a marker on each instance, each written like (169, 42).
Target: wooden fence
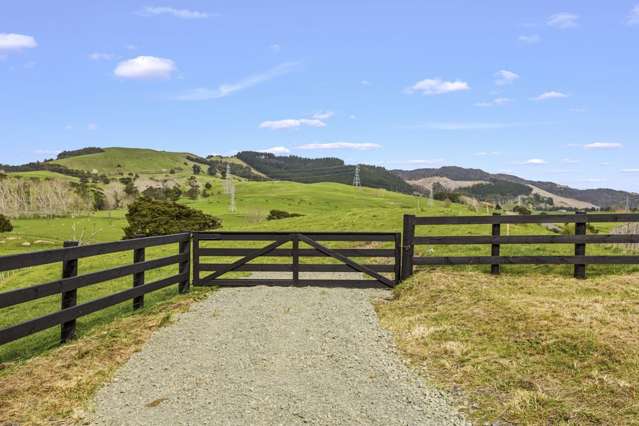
(580, 239)
(314, 250)
(68, 285)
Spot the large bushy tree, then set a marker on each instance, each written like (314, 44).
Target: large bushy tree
(148, 217)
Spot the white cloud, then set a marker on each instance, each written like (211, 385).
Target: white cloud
(494, 102)
(277, 150)
(505, 77)
(549, 95)
(145, 67)
(341, 145)
(563, 20)
(10, 42)
(101, 56)
(323, 115)
(436, 86)
(535, 161)
(92, 126)
(178, 13)
(202, 93)
(630, 170)
(633, 18)
(291, 123)
(529, 39)
(603, 145)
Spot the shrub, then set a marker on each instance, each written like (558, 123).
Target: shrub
(522, 210)
(5, 224)
(148, 217)
(281, 214)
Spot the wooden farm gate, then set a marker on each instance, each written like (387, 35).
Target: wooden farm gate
(385, 254)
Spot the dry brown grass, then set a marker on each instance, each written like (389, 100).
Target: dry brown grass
(524, 349)
(57, 386)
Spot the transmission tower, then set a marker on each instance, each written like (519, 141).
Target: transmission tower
(356, 180)
(227, 180)
(232, 197)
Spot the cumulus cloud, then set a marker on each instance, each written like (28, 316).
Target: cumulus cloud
(178, 13)
(291, 123)
(277, 150)
(101, 56)
(603, 145)
(504, 77)
(529, 39)
(535, 161)
(145, 67)
(550, 95)
(203, 93)
(341, 145)
(633, 18)
(562, 20)
(323, 115)
(11, 42)
(437, 86)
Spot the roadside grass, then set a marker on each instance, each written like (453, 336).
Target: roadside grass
(527, 349)
(57, 386)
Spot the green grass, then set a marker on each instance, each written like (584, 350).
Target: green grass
(324, 206)
(136, 160)
(526, 349)
(43, 174)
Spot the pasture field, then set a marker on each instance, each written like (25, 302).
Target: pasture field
(324, 206)
(524, 349)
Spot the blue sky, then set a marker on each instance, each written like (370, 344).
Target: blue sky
(543, 89)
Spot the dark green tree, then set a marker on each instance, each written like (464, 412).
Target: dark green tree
(5, 224)
(148, 217)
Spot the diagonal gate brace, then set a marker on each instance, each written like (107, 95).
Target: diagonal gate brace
(261, 252)
(357, 267)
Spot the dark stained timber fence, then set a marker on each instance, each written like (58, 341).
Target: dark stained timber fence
(580, 239)
(274, 241)
(68, 285)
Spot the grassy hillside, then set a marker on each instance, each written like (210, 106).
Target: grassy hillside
(137, 160)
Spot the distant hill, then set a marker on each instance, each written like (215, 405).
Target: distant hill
(477, 180)
(308, 170)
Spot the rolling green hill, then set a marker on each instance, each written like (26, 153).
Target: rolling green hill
(137, 160)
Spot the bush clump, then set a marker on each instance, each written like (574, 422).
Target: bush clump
(281, 214)
(148, 217)
(5, 224)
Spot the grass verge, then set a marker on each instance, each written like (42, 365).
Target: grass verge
(524, 349)
(57, 386)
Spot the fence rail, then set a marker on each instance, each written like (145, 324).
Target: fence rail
(68, 285)
(277, 239)
(580, 239)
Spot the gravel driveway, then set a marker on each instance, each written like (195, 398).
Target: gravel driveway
(272, 355)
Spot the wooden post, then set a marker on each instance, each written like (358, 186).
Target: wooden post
(138, 277)
(580, 248)
(398, 258)
(408, 246)
(196, 258)
(494, 249)
(69, 298)
(185, 266)
(296, 259)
